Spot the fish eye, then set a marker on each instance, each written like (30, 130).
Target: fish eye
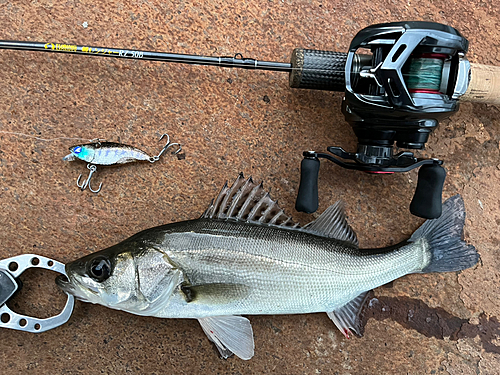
(99, 269)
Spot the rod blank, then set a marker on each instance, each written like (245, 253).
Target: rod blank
(237, 61)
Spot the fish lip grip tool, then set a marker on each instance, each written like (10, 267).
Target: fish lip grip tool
(10, 270)
(397, 94)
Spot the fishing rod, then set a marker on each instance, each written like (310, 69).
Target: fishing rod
(228, 62)
(400, 79)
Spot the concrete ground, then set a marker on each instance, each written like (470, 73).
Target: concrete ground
(230, 121)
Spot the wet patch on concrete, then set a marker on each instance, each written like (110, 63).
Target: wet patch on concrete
(431, 322)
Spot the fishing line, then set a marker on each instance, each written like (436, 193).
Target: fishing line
(44, 139)
(423, 73)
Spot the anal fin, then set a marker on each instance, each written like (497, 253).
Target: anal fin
(346, 318)
(230, 334)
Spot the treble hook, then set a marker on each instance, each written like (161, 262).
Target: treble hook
(92, 168)
(167, 146)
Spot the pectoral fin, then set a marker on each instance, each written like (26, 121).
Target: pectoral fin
(347, 316)
(214, 294)
(230, 334)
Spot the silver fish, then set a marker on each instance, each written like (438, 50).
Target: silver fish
(245, 256)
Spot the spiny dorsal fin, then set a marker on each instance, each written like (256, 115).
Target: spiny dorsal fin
(332, 223)
(247, 201)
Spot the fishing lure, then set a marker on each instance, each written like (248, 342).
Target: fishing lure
(111, 153)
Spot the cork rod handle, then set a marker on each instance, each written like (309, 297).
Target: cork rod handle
(484, 85)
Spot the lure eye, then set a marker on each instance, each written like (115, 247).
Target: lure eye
(77, 150)
(99, 269)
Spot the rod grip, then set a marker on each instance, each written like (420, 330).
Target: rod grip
(307, 197)
(427, 199)
(484, 84)
(319, 70)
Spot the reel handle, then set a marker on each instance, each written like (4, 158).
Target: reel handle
(307, 197)
(427, 199)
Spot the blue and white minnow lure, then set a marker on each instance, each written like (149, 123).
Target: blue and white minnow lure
(111, 153)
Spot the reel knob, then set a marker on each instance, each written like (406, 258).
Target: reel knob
(427, 199)
(307, 197)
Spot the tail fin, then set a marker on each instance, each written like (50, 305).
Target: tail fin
(444, 237)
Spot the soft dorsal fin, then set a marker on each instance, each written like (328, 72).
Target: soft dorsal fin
(247, 201)
(332, 223)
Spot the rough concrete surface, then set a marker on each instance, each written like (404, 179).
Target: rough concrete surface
(230, 121)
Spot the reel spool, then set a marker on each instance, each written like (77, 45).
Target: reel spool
(401, 79)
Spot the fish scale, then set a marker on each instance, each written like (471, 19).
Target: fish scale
(286, 271)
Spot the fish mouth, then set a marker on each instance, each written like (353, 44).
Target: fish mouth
(67, 287)
(63, 282)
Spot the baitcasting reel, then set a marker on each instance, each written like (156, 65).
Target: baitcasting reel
(401, 79)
